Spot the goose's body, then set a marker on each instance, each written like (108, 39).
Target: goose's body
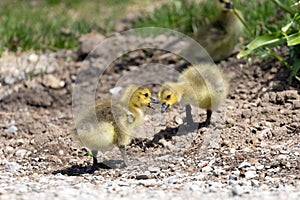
(114, 122)
(203, 86)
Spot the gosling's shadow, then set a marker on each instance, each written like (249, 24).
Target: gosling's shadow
(169, 132)
(76, 170)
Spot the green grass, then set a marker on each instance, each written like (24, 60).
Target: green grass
(54, 24)
(178, 15)
(261, 16)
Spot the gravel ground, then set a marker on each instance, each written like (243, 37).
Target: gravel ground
(251, 150)
(180, 186)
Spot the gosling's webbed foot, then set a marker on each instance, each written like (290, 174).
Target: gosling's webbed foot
(94, 166)
(97, 165)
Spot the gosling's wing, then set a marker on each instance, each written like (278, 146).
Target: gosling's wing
(196, 91)
(206, 85)
(94, 127)
(99, 137)
(216, 83)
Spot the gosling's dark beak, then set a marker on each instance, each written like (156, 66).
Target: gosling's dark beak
(228, 5)
(164, 107)
(152, 100)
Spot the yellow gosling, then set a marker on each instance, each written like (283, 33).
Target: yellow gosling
(221, 36)
(203, 86)
(115, 121)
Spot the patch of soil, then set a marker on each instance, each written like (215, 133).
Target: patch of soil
(259, 124)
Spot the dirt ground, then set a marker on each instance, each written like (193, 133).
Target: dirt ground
(254, 136)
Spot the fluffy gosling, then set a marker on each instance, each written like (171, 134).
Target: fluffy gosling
(203, 86)
(115, 121)
(221, 36)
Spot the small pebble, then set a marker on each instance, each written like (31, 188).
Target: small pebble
(237, 190)
(268, 124)
(153, 169)
(194, 187)
(250, 174)
(9, 80)
(20, 142)
(115, 90)
(296, 105)
(11, 129)
(232, 177)
(259, 166)
(33, 58)
(255, 183)
(12, 166)
(172, 179)
(207, 169)
(232, 151)
(148, 182)
(202, 164)
(61, 152)
(178, 120)
(282, 157)
(21, 153)
(244, 164)
(51, 81)
(9, 149)
(284, 152)
(145, 175)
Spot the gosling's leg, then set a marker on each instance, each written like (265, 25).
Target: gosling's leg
(188, 114)
(95, 161)
(208, 117)
(123, 153)
(97, 165)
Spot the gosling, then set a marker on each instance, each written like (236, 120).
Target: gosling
(221, 36)
(115, 121)
(203, 86)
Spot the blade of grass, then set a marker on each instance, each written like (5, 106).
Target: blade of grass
(293, 39)
(284, 7)
(296, 68)
(270, 40)
(278, 57)
(243, 22)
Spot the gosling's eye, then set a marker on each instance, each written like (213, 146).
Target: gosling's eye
(169, 96)
(146, 94)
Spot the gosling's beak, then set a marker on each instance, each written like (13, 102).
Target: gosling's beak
(164, 107)
(228, 5)
(152, 100)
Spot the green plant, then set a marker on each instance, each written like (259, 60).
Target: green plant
(54, 24)
(268, 25)
(188, 16)
(287, 35)
(89, 154)
(179, 15)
